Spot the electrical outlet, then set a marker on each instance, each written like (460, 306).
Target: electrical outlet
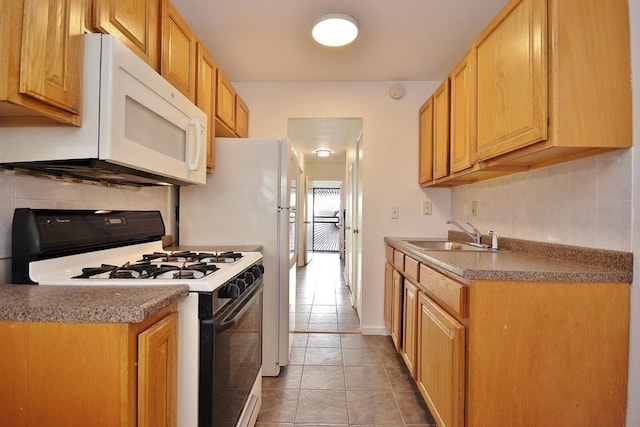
(426, 207)
(474, 208)
(395, 212)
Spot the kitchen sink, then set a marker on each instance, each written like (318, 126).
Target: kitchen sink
(444, 245)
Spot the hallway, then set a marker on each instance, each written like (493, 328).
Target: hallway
(335, 375)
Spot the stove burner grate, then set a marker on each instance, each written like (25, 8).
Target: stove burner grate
(148, 270)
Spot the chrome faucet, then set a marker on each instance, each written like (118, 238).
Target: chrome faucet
(476, 235)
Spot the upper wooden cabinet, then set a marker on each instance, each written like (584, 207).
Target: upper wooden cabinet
(512, 79)
(552, 84)
(135, 23)
(205, 98)
(225, 105)
(441, 130)
(41, 62)
(463, 113)
(178, 53)
(425, 166)
(566, 90)
(232, 114)
(242, 118)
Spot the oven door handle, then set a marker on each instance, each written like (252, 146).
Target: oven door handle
(239, 311)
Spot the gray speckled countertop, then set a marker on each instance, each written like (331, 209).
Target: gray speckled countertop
(78, 304)
(525, 261)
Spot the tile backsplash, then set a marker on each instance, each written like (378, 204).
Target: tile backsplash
(584, 202)
(24, 191)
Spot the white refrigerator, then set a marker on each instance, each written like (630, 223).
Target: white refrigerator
(250, 199)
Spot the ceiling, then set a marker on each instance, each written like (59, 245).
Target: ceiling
(399, 40)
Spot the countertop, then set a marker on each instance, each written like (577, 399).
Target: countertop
(88, 304)
(524, 261)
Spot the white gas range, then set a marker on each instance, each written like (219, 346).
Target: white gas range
(220, 332)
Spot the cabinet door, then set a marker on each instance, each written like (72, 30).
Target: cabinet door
(136, 23)
(388, 294)
(396, 310)
(426, 143)
(51, 60)
(178, 55)
(441, 366)
(463, 113)
(512, 80)
(410, 326)
(205, 98)
(157, 373)
(242, 118)
(225, 103)
(441, 130)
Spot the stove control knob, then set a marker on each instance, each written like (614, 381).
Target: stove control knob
(257, 271)
(248, 277)
(241, 284)
(230, 291)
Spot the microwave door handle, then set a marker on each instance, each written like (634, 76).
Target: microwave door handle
(195, 124)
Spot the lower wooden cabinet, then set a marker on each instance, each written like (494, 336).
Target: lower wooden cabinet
(90, 374)
(410, 326)
(506, 353)
(396, 309)
(157, 373)
(441, 363)
(388, 294)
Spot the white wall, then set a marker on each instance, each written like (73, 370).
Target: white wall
(28, 192)
(325, 171)
(389, 164)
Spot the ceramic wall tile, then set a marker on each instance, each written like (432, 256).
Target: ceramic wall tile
(614, 172)
(38, 193)
(7, 185)
(585, 202)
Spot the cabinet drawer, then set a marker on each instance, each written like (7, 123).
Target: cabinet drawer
(398, 260)
(411, 267)
(389, 254)
(448, 291)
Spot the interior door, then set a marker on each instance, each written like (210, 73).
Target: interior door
(348, 236)
(309, 222)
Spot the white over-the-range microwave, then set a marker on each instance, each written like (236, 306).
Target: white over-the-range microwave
(137, 129)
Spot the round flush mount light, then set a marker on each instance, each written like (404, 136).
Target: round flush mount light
(335, 29)
(323, 152)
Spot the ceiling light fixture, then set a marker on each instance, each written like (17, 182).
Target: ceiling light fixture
(335, 29)
(323, 152)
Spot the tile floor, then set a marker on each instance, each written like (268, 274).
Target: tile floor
(335, 375)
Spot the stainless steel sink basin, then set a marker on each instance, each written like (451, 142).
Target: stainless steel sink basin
(443, 245)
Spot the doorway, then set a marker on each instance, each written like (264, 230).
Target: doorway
(342, 138)
(326, 220)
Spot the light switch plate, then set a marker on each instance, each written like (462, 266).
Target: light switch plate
(395, 212)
